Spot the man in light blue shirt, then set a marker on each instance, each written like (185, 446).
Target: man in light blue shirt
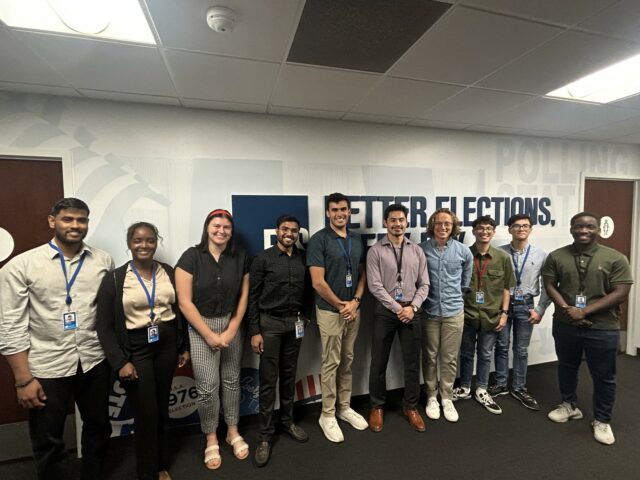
(527, 263)
(450, 265)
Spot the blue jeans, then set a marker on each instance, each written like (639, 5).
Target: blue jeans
(486, 340)
(600, 349)
(522, 330)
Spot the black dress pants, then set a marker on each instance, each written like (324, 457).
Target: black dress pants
(90, 390)
(385, 326)
(280, 358)
(149, 396)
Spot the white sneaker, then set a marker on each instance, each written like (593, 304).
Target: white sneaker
(330, 428)
(449, 410)
(602, 433)
(353, 418)
(564, 412)
(433, 408)
(461, 393)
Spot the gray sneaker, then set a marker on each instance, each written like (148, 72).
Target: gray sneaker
(461, 393)
(564, 412)
(484, 399)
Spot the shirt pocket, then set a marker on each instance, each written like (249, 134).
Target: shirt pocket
(495, 278)
(453, 267)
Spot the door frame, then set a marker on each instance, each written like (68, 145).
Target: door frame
(43, 155)
(633, 325)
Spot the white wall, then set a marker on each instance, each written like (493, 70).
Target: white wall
(171, 166)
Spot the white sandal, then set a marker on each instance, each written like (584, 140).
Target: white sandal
(240, 447)
(211, 454)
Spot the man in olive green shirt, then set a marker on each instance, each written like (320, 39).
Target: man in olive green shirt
(485, 312)
(587, 282)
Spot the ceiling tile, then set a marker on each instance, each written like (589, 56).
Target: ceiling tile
(348, 35)
(229, 106)
(467, 45)
(321, 89)
(475, 105)
(563, 60)
(262, 31)
(619, 20)
(22, 65)
(129, 97)
(40, 89)
(223, 79)
(614, 129)
(566, 12)
(629, 102)
(103, 65)
(404, 98)
(632, 138)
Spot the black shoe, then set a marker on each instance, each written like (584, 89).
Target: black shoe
(262, 455)
(525, 399)
(297, 433)
(497, 390)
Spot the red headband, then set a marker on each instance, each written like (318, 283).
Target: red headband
(220, 211)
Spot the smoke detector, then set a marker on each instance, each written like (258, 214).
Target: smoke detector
(221, 19)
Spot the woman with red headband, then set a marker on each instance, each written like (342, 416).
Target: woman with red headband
(212, 280)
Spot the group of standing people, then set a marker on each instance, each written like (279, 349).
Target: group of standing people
(68, 320)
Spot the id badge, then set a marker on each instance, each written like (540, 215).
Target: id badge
(153, 333)
(398, 296)
(348, 280)
(69, 321)
(299, 328)
(479, 297)
(518, 294)
(581, 301)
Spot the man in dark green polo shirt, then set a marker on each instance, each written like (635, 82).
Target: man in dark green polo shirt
(335, 256)
(486, 306)
(587, 282)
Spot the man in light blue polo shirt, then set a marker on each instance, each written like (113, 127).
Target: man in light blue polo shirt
(527, 263)
(450, 265)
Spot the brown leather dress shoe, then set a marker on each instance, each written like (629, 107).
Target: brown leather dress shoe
(376, 419)
(415, 419)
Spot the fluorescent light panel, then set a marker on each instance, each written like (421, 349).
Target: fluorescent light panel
(108, 19)
(612, 83)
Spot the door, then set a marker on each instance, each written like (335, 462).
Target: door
(29, 188)
(613, 201)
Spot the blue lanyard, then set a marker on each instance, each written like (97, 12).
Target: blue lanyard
(347, 253)
(515, 265)
(150, 298)
(68, 283)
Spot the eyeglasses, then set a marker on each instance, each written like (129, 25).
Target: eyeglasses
(519, 226)
(443, 224)
(484, 229)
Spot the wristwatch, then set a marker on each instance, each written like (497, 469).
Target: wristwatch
(506, 312)
(414, 308)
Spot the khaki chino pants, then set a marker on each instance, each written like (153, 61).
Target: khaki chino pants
(338, 339)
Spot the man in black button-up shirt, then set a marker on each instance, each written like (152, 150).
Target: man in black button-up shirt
(276, 296)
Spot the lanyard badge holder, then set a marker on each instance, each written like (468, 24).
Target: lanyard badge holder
(69, 318)
(348, 279)
(481, 272)
(299, 327)
(518, 293)
(398, 294)
(581, 298)
(153, 329)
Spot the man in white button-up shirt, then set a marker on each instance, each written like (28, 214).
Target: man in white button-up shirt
(48, 336)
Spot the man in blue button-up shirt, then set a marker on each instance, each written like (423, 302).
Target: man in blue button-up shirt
(450, 264)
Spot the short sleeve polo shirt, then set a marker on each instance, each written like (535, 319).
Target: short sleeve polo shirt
(329, 251)
(605, 267)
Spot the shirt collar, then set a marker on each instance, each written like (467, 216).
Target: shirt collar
(53, 253)
(590, 252)
(385, 240)
(490, 253)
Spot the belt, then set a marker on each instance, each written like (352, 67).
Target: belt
(527, 299)
(271, 313)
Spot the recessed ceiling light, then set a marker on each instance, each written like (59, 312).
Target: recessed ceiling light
(612, 83)
(108, 19)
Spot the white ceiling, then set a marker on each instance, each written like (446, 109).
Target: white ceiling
(483, 66)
